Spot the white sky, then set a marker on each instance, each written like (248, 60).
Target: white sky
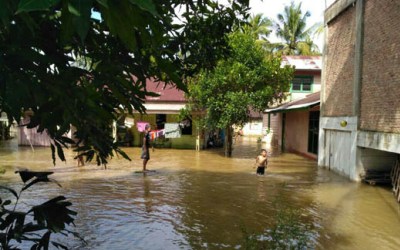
(271, 8)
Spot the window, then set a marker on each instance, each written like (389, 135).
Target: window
(186, 126)
(160, 120)
(313, 132)
(302, 84)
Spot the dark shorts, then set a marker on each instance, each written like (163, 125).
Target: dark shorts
(145, 155)
(261, 170)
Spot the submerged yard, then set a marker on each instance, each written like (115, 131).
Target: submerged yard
(202, 200)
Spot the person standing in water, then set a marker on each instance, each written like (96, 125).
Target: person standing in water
(262, 162)
(145, 147)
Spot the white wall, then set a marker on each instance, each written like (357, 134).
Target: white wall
(338, 146)
(376, 159)
(254, 127)
(381, 141)
(317, 83)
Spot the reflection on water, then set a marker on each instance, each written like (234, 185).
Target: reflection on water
(202, 200)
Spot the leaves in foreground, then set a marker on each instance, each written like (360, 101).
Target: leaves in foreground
(39, 222)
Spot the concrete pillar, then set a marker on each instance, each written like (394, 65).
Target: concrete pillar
(332, 123)
(358, 60)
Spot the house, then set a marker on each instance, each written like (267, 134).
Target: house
(161, 110)
(307, 75)
(360, 110)
(293, 125)
(255, 126)
(299, 125)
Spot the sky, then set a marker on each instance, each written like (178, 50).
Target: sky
(271, 8)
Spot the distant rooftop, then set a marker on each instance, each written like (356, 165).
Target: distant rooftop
(168, 93)
(303, 62)
(306, 102)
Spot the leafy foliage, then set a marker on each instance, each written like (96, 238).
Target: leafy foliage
(248, 80)
(63, 67)
(288, 231)
(37, 224)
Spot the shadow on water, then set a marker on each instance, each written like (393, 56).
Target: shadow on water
(202, 200)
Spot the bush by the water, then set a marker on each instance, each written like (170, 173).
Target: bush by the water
(288, 232)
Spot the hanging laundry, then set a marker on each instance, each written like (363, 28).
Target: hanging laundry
(157, 133)
(153, 135)
(160, 132)
(141, 126)
(172, 130)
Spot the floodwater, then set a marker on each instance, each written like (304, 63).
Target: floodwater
(202, 200)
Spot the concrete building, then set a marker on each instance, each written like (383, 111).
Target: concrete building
(360, 110)
(293, 125)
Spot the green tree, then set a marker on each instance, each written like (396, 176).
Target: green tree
(67, 68)
(292, 28)
(248, 79)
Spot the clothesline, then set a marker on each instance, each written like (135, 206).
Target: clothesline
(171, 130)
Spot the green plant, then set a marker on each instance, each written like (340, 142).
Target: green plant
(287, 232)
(249, 79)
(38, 223)
(86, 62)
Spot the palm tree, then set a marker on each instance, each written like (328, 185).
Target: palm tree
(259, 28)
(291, 27)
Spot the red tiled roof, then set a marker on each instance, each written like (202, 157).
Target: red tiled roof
(168, 93)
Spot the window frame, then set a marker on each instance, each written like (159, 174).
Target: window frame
(302, 83)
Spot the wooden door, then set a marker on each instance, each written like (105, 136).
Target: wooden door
(339, 147)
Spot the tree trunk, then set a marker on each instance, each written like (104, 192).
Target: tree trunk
(228, 141)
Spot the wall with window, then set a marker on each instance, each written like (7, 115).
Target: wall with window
(157, 121)
(305, 83)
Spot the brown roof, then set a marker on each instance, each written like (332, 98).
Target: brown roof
(168, 93)
(308, 101)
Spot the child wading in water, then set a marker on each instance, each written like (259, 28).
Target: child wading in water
(262, 162)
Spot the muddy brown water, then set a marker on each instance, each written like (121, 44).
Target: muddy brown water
(202, 200)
